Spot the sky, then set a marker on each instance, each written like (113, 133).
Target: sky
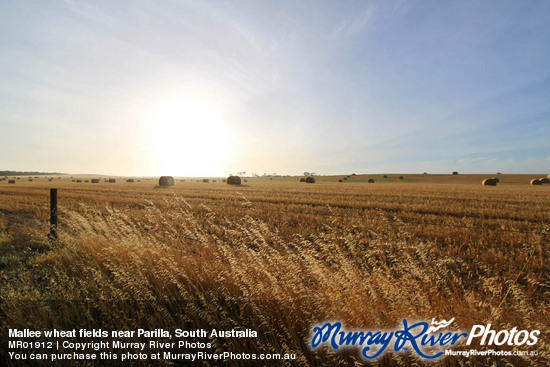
(209, 88)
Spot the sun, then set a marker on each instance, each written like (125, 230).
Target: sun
(188, 134)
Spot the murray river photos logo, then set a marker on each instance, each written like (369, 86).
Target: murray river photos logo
(428, 341)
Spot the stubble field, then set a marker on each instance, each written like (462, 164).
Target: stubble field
(279, 257)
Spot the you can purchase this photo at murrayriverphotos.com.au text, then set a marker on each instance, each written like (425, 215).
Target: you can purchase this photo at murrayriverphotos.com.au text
(274, 183)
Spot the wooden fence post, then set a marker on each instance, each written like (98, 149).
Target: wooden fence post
(53, 214)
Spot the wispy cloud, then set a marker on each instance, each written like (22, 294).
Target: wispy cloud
(348, 27)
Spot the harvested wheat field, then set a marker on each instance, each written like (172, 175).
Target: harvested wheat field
(280, 257)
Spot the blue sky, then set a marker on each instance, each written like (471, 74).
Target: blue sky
(216, 87)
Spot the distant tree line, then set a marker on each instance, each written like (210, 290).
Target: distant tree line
(28, 173)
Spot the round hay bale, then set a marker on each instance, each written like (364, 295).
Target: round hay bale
(536, 181)
(11, 181)
(489, 182)
(371, 180)
(130, 180)
(233, 180)
(95, 180)
(302, 179)
(166, 181)
(544, 180)
(401, 177)
(86, 181)
(340, 180)
(245, 180)
(205, 180)
(496, 179)
(345, 178)
(455, 173)
(385, 176)
(112, 180)
(30, 179)
(310, 179)
(78, 181)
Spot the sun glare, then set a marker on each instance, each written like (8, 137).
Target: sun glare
(188, 135)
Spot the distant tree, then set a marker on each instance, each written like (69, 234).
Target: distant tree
(255, 174)
(306, 173)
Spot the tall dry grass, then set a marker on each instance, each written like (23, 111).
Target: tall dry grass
(280, 259)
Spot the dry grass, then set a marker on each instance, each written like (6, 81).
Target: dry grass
(279, 256)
